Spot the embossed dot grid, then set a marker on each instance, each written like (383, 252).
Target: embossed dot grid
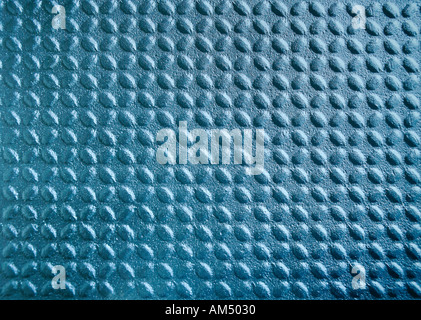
(81, 188)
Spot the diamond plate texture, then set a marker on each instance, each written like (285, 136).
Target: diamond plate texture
(80, 185)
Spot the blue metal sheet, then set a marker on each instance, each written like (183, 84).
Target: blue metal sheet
(86, 87)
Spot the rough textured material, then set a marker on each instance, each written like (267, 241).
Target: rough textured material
(81, 188)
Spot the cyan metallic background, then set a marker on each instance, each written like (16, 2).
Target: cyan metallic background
(80, 186)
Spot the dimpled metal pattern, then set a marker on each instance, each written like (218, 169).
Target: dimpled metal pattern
(81, 188)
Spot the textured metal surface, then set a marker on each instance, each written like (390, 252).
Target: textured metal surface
(80, 186)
